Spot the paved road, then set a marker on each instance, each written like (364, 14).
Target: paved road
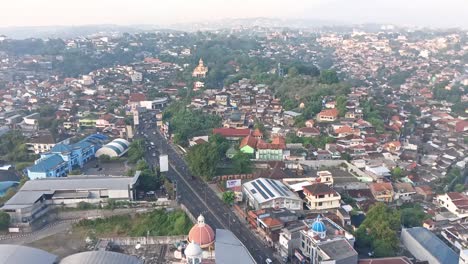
(200, 199)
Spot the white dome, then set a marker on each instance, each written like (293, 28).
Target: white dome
(193, 250)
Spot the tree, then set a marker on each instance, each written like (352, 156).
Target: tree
(4, 220)
(459, 187)
(341, 104)
(229, 197)
(104, 158)
(413, 216)
(203, 160)
(397, 173)
(328, 77)
(136, 151)
(242, 163)
(379, 231)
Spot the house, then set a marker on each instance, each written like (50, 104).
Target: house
(248, 145)
(289, 238)
(426, 246)
(345, 131)
(270, 151)
(404, 191)
(310, 123)
(40, 142)
(267, 193)
(456, 203)
(425, 191)
(308, 132)
(328, 115)
(393, 146)
(382, 191)
(320, 196)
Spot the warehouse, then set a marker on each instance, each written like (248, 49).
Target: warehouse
(35, 198)
(267, 193)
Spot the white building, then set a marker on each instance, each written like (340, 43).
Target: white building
(455, 203)
(136, 76)
(267, 193)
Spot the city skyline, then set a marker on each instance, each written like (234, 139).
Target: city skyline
(61, 13)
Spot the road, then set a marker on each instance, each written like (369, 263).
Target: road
(199, 198)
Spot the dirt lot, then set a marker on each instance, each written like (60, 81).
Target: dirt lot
(114, 168)
(62, 244)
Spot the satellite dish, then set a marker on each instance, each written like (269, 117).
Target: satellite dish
(138, 246)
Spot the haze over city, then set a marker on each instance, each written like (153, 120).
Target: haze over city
(450, 13)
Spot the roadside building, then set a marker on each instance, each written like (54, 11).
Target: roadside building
(116, 148)
(382, 191)
(456, 203)
(266, 193)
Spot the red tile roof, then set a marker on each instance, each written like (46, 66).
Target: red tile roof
(232, 132)
(329, 112)
(248, 141)
(137, 97)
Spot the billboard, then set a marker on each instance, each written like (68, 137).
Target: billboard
(233, 183)
(163, 163)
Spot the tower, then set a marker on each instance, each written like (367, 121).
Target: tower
(193, 253)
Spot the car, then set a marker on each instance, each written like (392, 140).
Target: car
(154, 154)
(268, 261)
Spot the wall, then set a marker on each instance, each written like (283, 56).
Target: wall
(150, 240)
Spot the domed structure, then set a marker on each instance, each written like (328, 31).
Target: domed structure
(319, 228)
(202, 234)
(193, 253)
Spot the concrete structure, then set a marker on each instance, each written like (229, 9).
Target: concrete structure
(456, 203)
(320, 196)
(62, 158)
(327, 115)
(382, 191)
(266, 193)
(289, 239)
(32, 119)
(270, 151)
(34, 198)
(116, 148)
(326, 242)
(426, 246)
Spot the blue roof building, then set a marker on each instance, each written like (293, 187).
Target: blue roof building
(426, 246)
(62, 158)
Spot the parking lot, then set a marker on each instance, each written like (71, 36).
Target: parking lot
(113, 168)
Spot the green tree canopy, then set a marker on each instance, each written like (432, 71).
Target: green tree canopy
(242, 163)
(379, 231)
(4, 220)
(229, 197)
(328, 77)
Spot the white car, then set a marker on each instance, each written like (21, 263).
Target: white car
(268, 261)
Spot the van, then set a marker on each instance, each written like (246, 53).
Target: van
(268, 261)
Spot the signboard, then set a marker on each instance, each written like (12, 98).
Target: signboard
(233, 183)
(13, 230)
(298, 255)
(163, 163)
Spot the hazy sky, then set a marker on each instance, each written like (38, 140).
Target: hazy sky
(439, 13)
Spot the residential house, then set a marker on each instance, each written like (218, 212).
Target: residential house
(456, 203)
(382, 191)
(328, 115)
(320, 196)
(271, 151)
(248, 145)
(308, 132)
(404, 191)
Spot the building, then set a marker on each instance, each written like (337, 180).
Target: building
(200, 71)
(230, 250)
(456, 203)
(426, 246)
(327, 115)
(202, 234)
(266, 193)
(63, 158)
(404, 191)
(382, 191)
(35, 198)
(18, 254)
(308, 132)
(270, 151)
(32, 119)
(320, 196)
(232, 133)
(42, 142)
(116, 148)
(100, 257)
(390, 260)
(248, 145)
(326, 242)
(290, 239)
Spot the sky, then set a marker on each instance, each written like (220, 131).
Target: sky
(433, 13)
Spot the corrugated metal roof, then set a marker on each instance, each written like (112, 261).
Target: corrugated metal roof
(48, 163)
(230, 250)
(25, 255)
(100, 257)
(433, 244)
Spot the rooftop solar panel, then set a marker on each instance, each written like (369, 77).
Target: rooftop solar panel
(272, 195)
(260, 190)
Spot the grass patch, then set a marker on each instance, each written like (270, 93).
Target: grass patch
(157, 223)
